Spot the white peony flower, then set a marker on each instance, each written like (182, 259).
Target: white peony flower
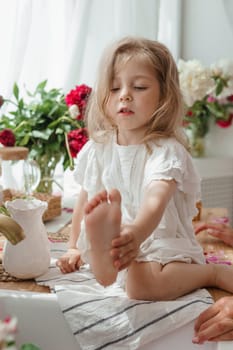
(195, 81)
(224, 68)
(74, 111)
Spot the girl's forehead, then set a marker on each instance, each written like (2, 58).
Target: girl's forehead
(123, 61)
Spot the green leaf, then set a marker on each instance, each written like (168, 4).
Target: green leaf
(219, 88)
(44, 135)
(21, 103)
(16, 91)
(41, 86)
(29, 346)
(24, 140)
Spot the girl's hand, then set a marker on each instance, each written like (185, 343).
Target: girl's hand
(125, 247)
(215, 323)
(70, 261)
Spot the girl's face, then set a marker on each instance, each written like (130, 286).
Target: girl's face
(134, 97)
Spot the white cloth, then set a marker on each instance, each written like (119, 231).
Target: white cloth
(104, 318)
(131, 169)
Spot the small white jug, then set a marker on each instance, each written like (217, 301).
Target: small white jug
(29, 258)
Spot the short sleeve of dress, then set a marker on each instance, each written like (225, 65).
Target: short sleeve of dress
(172, 161)
(87, 172)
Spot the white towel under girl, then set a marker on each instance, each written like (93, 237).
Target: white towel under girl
(104, 318)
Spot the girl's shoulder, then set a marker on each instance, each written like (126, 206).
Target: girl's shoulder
(95, 152)
(169, 147)
(90, 147)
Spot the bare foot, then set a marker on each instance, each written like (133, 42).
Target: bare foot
(103, 221)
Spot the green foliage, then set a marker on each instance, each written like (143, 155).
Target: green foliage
(29, 347)
(197, 118)
(40, 122)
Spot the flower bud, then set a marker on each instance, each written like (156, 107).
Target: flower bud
(1, 101)
(74, 111)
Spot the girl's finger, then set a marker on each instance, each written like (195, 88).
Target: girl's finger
(121, 240)
(125, 260)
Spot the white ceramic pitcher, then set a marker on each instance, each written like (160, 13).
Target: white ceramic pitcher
(30, 258)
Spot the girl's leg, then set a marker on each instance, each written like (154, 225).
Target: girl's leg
(152, 281)
(103, 220)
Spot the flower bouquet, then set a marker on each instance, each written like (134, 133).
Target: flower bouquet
(208, 94)
(49, 124)
(8, 330)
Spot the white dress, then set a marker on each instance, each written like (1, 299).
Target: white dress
(131, 169)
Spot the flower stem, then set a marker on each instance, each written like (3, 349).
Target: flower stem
(69, 154)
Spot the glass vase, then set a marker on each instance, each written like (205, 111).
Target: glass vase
(47, 166)
(196, 143)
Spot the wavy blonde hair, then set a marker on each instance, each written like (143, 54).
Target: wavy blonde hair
(167, 119)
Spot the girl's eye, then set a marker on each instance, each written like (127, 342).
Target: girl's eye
(140, 87)
(114, 89)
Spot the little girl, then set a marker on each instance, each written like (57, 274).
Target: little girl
(138, 185)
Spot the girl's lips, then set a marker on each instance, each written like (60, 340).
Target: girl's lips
(125, 112)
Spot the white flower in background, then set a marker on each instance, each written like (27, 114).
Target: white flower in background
(8, 329)
(207, 94)
(224, 70)
(74, 111)
(195, 81)
(224, 67)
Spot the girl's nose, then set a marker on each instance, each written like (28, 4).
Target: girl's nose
(126, 97)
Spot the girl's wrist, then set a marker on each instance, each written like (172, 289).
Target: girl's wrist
(143, 229)
(72, 246)
(139, 234)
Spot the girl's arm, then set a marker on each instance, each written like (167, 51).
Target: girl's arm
(71, 260)
(77, 218)
(156, 198)
(125, 248)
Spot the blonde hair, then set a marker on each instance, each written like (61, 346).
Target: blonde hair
(167, 119)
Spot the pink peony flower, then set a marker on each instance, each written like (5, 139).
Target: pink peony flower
(7, 138)
(211, 99)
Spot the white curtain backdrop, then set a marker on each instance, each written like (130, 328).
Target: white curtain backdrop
(62, 40)
(228, 6)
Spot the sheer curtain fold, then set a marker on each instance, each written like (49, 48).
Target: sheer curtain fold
(15, 20)
(169, 28)
(228, 6)
(62, 40)
(75, 46)
(135, 17)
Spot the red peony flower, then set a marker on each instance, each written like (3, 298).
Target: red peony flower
(230, 98)
(7, 138)
(189, 113)
(225, 123)
(77, 139)
(79, 96)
